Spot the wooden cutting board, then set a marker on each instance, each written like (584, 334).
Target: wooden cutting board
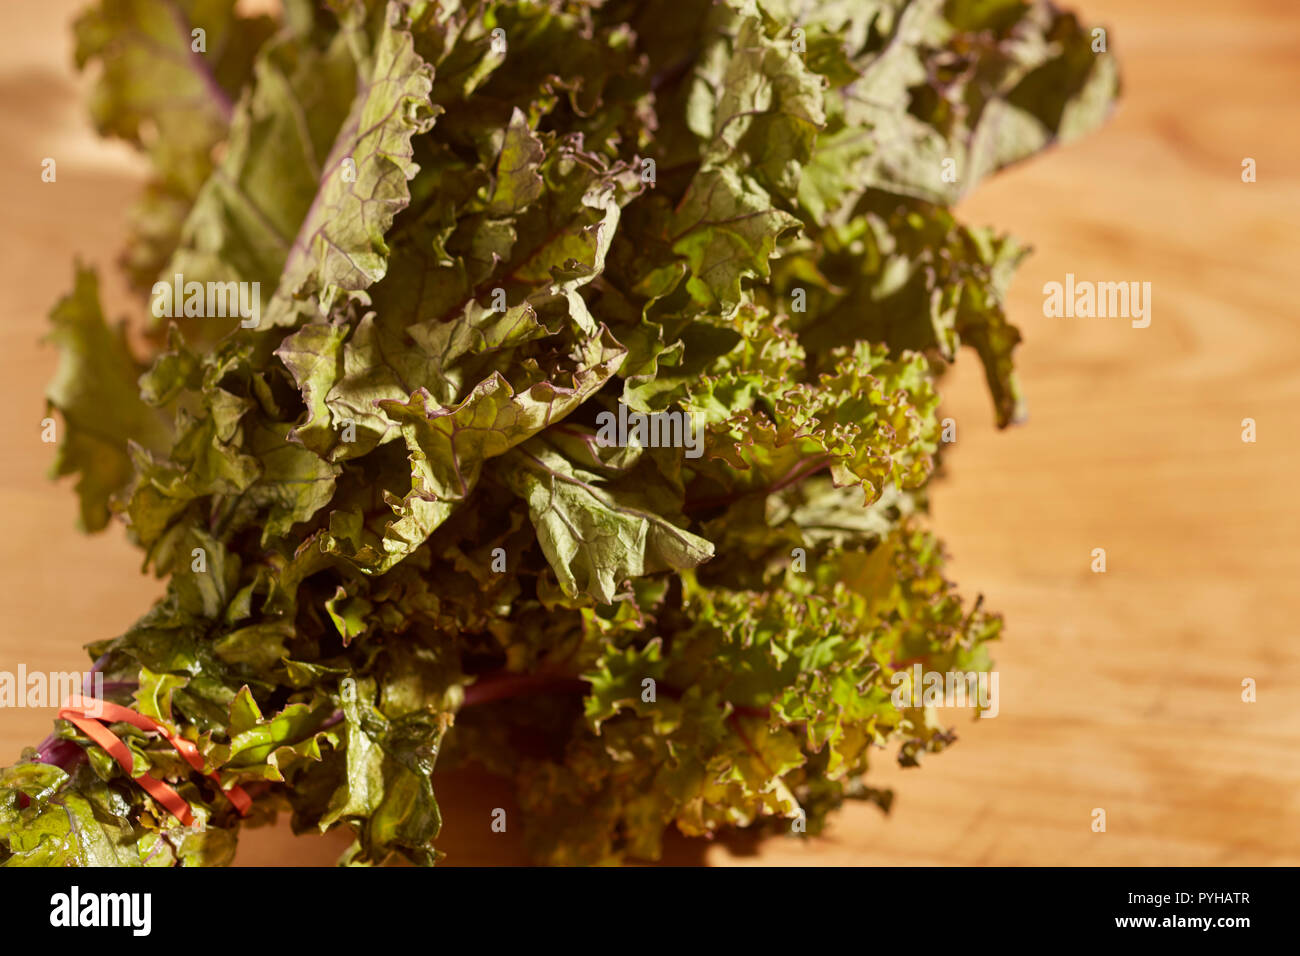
(1119, 691)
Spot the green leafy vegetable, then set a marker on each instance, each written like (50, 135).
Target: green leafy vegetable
(480, 232)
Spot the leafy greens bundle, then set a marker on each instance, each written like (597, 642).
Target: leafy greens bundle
(388, 529)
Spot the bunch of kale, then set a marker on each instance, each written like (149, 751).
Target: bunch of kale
(389, 532)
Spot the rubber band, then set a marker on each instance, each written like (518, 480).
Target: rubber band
(85, 713)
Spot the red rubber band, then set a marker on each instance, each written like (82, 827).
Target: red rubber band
(85, 713)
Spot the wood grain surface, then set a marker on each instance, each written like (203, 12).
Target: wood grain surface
(1119, 690)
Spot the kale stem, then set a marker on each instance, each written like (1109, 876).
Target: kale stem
(504, 686)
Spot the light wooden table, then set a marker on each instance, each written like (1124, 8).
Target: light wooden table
(1120, 691)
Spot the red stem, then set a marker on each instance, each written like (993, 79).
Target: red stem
(504, 686)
